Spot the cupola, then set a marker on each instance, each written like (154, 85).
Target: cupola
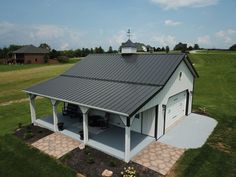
(128, 47)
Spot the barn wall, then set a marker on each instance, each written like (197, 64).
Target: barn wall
(174, 86)
(34, 58)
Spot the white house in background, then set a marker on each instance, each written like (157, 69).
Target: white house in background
(119, 102)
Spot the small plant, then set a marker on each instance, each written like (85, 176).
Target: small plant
(28, 135)
(90, 160)
(87, 152)
(19, 125)
(40, 131)
(128, 172)
(28, 128)
(112, 163)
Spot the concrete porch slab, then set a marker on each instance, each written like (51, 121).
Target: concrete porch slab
(191, 132)
(56, 144)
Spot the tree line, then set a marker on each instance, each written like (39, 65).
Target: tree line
(7, 52)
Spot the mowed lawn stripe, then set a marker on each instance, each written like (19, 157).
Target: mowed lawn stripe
(12, 82)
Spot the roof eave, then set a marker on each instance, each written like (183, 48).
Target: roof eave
(77, 103)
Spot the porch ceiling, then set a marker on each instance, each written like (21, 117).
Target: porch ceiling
(116, 97)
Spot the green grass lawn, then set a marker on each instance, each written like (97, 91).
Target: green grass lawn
(5, 68)
(215, 90)
(17, 158)
(208, 52)
(12, 82)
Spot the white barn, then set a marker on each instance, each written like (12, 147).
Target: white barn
(120, 102)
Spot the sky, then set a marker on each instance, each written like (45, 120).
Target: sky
(72, 24)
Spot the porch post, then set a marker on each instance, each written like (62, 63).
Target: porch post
(54, 111)
(32, 108)
(127, 140)
(84, 110)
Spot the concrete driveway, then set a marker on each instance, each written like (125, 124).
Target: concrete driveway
(191, 132)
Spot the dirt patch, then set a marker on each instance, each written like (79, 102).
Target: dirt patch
(91, 163)
(16, 101)
(218, 140)
(201, 110)
(31, 133)
(221, 147)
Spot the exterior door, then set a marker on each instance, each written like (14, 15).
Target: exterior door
(148, 126)
(175, 108)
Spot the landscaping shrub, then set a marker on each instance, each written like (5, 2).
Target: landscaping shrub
(19, 125)
(63, 59)
(28, 135)
(112, 163)
(90, 160)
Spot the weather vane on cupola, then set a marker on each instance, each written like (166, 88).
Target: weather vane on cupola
(129, 34)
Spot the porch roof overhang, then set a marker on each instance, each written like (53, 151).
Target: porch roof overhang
(115, 97)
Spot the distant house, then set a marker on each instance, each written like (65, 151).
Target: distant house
(118, 103)
(30, 54)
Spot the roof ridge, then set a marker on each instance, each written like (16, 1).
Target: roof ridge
(109, 80)
(138, 53)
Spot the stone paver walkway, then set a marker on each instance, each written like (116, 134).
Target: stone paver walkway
(158, 157)
(56, 144)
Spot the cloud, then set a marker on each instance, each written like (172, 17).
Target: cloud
(172, 23)
(204, 40)
(164, 40)
(227, 36)
(175, 4)
(58, 37)
(118, 38)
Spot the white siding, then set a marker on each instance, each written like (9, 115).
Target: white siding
(173, 86)
(128, 50)
(136, 124)
(115, 120)
(148, 127)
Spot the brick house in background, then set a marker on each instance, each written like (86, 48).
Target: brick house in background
(30, 54)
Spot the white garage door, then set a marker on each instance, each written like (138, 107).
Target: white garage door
(175, 108)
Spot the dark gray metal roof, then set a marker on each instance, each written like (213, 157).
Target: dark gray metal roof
(128, 43)
(31, 49)
(150, 69)
(113, 82)
(118, 97)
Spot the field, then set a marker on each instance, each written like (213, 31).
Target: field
(16, 158)
(215, 90)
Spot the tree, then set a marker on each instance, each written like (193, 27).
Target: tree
(196, 47)
(91, 50)
(78, 53)
(233, 47)
(54, 54)
(14, 47)
(190, 48)
(167, 49)
(180, 46)
(45, 46)
(163, 49)
(110, 50)
(158, 49)
(99, 49)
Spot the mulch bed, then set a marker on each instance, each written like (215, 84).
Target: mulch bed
(31, 133)
(91, 163)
